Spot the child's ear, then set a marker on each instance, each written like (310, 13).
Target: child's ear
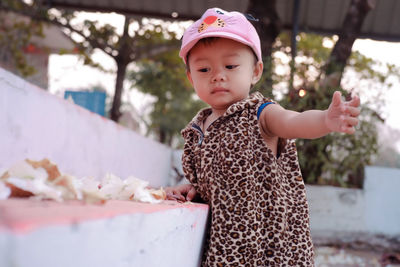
(189, 75)
(257, 72)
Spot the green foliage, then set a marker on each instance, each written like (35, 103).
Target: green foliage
(140, 38)
(336, 159)
(164, 77)
(15, 37)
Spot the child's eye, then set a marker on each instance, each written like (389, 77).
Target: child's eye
(203, 70)
(231, 67)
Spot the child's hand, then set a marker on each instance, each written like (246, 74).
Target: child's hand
(182, 193)
(341, 116)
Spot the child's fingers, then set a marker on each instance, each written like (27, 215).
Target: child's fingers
(348, 125)
(179, 197)
(348, 129)
(170, 196)
(354, 102)
(337, 98)
(353, 111)
(191, 194)
(173, 195)
(351, 121)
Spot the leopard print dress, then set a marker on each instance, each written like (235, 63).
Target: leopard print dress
(259, 211)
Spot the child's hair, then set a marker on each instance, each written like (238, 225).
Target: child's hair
(216, 22)
(208, 41)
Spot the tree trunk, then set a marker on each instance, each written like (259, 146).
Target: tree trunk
(122, 60)
(351, 28)
(119, 87)
(268, 27)
(162, 136)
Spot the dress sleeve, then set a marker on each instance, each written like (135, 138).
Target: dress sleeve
(261, 108)
(189, 165)
(188, 159)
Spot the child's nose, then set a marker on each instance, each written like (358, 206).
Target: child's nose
(219, 75)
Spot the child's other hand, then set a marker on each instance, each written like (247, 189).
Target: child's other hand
(342, 116)
(181, 193)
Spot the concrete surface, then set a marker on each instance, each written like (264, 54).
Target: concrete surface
(119, 234)
(382, 199)
(366, 218)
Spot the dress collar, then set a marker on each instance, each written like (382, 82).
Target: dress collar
(246, 103)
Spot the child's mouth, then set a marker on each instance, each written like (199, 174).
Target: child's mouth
(219, 90)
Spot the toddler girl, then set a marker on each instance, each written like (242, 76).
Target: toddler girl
(239, 153)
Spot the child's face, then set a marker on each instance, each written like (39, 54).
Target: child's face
(222, 72)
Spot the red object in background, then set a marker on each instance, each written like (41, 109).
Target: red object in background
(31, 48)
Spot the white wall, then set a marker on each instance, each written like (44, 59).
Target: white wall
(35, 124)
(364, 217)
(336, 209)
(382, 200)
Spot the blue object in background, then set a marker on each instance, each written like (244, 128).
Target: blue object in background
(93, 101)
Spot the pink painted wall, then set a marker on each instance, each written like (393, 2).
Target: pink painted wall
(118, 233)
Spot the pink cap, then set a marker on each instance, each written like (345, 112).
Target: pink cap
(216, 22)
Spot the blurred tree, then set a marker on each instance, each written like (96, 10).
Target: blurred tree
(351, 28)
(15, 36)
(318, 73)
(336, 159)
(164, 77)
(136, 42)
(268, 25)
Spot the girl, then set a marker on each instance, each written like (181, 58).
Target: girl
(239, 155)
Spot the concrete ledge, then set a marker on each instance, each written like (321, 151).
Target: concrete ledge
(118, 233)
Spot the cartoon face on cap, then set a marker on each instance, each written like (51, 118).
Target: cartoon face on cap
(213, 21)
(216, 22)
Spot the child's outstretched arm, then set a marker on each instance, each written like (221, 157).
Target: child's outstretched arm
(341, 116)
